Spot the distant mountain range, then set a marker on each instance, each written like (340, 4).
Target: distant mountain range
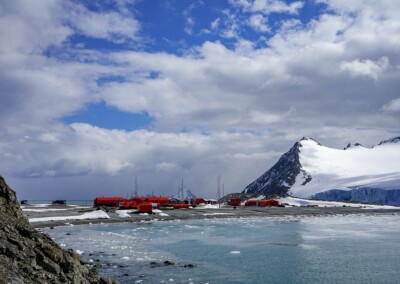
(355, 173)
(187, 195)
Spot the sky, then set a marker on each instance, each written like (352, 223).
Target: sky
(94, 94)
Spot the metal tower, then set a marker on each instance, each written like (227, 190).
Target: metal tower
(219, 187)
(136, 188)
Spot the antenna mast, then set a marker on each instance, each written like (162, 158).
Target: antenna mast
(219, 187)
(180, 192)
(136, 188)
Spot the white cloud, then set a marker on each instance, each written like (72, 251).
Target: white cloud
(392, 106)
(33, 84)
(111, 25)
(230, 24)
(156, 158)
(215, 24)
(259, 23)
(266, 118)
(30, 27)
(365, 67)
(269, 6)
(187, 13)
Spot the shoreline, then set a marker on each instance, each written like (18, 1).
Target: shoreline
(66, 211)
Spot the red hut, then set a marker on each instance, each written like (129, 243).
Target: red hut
(251, 202)
(264, 203)
(274, 203)
(107, 201)
(128, 204)
(234, 202)
(145, 207)
(180, 206)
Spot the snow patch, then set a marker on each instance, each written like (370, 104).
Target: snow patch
(98, 214)
(124, 213)
(293, 201)
(43, 210)
(208, 206)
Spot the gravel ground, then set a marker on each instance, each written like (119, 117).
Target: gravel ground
(183, 214)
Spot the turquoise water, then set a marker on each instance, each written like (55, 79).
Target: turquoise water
(340, 249)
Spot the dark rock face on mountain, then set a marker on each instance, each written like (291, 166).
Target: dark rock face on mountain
(278, 180)
(351, 145)
(28, 256)
(390, 141)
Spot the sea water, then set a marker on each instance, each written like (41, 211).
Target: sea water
(334, 249)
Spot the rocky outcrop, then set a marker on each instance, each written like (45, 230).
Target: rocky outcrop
(393, 140)
(29, 256)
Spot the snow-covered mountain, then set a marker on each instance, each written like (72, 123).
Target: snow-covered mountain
(310, 170)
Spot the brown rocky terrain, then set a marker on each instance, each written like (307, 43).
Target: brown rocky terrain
(29, 256)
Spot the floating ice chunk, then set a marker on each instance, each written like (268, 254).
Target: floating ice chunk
(164, 214)
(126, 258)
(79, 251)
(213, 214)
(235, 252)
(307, 246)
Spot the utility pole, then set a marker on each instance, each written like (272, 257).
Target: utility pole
(223, 190)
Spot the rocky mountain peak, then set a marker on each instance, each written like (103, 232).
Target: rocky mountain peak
(351, 145)
(309, 139)
(278, 180)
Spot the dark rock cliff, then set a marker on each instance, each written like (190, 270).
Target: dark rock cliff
(279, 179)
(28, 256)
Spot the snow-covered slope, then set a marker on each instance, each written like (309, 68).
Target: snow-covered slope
(356, 173)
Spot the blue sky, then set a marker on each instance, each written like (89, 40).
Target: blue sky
(95, 93)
